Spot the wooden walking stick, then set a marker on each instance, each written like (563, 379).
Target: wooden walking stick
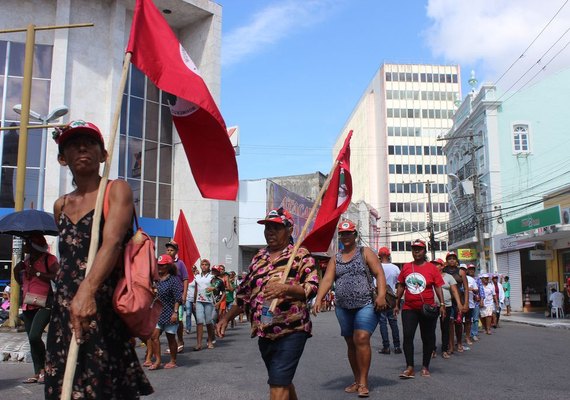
(71, 364)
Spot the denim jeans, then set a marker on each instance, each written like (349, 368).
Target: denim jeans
(475, 326)
(189, 314)
(385, 317)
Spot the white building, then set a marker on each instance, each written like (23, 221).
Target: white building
(395, 153)
(81, 68)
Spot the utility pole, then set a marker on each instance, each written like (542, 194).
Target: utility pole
(479, 229)
(430, 221)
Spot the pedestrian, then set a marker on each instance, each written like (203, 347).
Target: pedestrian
(204, 304)
(107, 364)
(449, 290)
(500, 299)
(35, 273)
(457, 309)
(5, 306)
(386, 316)
(507, 291)
(182, 275)
(488, 303)
(419, 280)
(231, 285)
(218, 291)
(282, 334)
(473, 289)
(356, 307)
(190, 308)
(478, 294)
(169, 291)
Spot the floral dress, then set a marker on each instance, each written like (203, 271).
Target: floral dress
(107, 365)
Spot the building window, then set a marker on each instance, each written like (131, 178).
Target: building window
(520, 139)
(145, 158)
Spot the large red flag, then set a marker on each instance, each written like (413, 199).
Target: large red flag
(187, 249)
(157, 52)
(335, 202)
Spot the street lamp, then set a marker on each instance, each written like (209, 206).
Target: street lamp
(56, 113)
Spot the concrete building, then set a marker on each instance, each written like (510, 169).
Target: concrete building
(508, 168)
(396, 159)
(81, 68)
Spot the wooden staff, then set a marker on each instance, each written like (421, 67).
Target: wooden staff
(67, 387)
(304, 231)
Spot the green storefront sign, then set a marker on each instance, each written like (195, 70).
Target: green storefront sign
(539, 219)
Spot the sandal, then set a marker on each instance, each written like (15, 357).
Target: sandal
(425, 373)
(460, 349)
(408, 374)
(363, 390)
(353, 388)
(434, 354)
(445, 355)
(197, 348)
(180, 348)
(170, 365)
(31, 380)
(147, 364)
(154, 367)
(210, 346)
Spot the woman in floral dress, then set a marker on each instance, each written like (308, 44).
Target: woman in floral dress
(107, 365)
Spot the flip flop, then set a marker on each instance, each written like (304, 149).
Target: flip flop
(351, 388)
(363, 390)
(180, 348)
(31, 380)
(425, 373)
(407, 374)
(210, 346)
(154, 367)
(170, 365)
(147, 364)
(197, 348)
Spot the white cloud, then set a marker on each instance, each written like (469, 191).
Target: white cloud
(270, 25)
(492, 34)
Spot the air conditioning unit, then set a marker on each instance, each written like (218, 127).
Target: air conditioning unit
(565, 215)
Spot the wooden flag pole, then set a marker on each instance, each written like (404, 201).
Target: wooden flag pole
(71, 364)
(304, 231)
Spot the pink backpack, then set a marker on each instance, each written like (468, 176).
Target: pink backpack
(135, 299)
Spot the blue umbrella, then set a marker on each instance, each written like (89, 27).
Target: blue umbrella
(27, 222)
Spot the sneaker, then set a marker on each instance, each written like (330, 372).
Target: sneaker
(475, 338)
(384, 350)
(397, 350)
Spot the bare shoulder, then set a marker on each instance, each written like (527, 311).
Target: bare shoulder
(57, 207)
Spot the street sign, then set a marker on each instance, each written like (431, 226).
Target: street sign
(467, 254)
(539, 219)
(540, 255)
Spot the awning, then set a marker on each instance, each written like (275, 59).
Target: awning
(555, 233)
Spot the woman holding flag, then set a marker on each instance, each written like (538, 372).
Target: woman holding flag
(356, 308)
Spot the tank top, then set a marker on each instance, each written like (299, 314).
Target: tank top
(352, 289)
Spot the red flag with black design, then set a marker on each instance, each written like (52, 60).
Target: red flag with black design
(187, 249)
(335, 201)
(158, 54)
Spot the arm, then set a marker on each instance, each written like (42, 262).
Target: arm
(325, 284)
(465, 302)
(306, 287)
(399, 294)
(117, 223)
(439, 294)
(377, 271)
(222, 324)
(177, 288)
(455, 293)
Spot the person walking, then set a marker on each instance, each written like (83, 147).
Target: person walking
(449, 290)
(282, 334)
(487, 303)
(419, 280)
(35, 274)
(204, 304)
(386, 316)
(507, 291)
(357, 308)
(107, 364)
(169, 291)
(182, 275)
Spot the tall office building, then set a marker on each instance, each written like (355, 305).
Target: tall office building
(397, 162)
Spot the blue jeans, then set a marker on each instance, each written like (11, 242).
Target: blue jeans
(475, 326)
(384, 318)
(189, 314)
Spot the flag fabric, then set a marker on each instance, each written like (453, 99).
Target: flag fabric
(158, 54)
(335, 201)
(187, 249)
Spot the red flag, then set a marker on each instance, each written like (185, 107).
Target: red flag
(158, 54)
(187, 249)
(335, 202)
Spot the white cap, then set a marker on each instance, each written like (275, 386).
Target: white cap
(7, 289)
(464, 266)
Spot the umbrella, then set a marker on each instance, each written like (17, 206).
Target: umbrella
(27, 222)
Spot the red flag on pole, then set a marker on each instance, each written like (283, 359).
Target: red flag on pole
(335, 202)
(158, 54)
(187, 249)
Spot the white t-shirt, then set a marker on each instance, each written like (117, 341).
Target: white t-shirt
(202, 283)
(190, 291)
(391, 272)
(489, 290)
(472, 283)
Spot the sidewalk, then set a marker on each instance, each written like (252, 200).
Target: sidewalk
(536, 319)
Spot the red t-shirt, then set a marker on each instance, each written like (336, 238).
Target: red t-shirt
(418, 281)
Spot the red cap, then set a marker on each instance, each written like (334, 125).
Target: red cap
(451, 254)
(419, 243)
(280, 216)
(438, 261)
(62, 134)
(173, 244)
(217, 268)
(384, 251)
(346, 226)
(165, 259)
(471, 266)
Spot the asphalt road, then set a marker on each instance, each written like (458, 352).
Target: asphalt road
(517, 362)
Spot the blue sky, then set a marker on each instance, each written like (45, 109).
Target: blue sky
(293, 70)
